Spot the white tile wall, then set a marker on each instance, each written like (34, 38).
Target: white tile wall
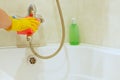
(93, 20)
(112, 38)
(98, 20)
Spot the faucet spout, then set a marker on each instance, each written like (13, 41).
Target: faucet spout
(32, 10)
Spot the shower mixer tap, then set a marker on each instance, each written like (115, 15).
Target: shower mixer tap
(32, 10)
(31, 13)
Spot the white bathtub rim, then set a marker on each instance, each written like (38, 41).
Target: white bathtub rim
(106, 50)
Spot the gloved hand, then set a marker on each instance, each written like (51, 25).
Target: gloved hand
(24, 23)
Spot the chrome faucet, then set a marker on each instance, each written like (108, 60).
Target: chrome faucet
(32, 12)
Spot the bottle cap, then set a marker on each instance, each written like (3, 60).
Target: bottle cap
(73, 20)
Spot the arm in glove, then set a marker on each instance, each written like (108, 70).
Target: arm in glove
(24, 24)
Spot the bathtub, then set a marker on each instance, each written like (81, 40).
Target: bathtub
(82, 62)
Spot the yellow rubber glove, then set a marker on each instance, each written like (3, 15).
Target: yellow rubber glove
(24, 23)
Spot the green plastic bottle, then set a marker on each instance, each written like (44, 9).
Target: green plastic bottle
(74, 33)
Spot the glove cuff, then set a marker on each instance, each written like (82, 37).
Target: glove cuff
(9, 27)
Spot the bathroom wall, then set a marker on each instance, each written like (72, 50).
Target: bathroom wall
(112, 38)
(98, 20)
(93, 20)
